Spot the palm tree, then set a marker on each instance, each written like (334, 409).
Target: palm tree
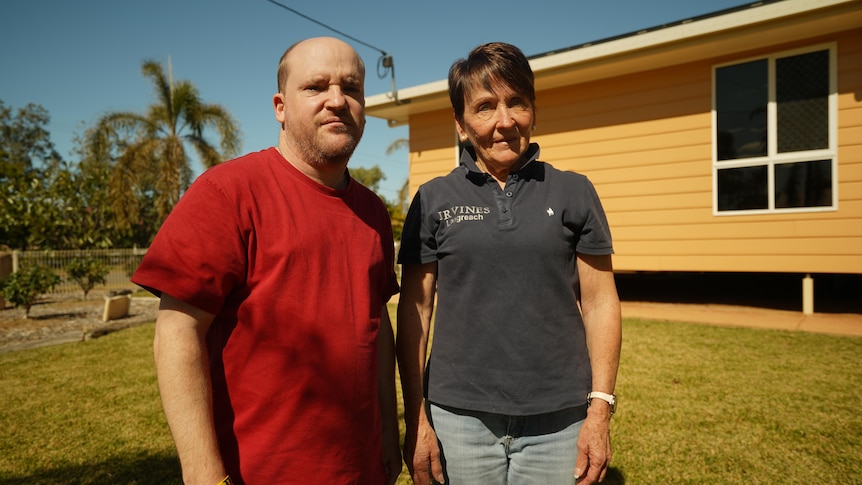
(398, 144)
(404, 192)
(148, 151)
(398, 208)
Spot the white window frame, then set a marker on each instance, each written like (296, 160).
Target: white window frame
(772, 157)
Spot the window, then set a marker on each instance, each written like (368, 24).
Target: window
(774, 134)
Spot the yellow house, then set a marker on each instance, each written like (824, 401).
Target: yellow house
(731, 142)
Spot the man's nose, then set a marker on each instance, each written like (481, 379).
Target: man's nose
(335, 97)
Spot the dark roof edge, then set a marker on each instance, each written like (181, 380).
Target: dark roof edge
(656, 28)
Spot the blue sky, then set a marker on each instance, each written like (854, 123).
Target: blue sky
(81, 59)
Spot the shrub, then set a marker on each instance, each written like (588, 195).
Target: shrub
(25, 286)
(87, 272)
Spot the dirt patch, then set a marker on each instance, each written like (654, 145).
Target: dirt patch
(67, 318)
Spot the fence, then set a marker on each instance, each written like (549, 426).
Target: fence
(121, 263)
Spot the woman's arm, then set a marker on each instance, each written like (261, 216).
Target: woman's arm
(415, 309)
(600, 306)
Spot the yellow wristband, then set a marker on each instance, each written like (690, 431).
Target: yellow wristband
(226, 481)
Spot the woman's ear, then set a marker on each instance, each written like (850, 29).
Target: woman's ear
(462, 135)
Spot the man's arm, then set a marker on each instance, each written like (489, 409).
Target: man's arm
(600, 306)
(387, 398)
(415, 308)
(182, 365)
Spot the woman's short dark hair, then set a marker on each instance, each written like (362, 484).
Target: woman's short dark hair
(488, 65)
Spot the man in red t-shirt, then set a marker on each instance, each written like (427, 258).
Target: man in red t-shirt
(273, 345)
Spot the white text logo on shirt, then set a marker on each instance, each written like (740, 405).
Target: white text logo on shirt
(460, 213)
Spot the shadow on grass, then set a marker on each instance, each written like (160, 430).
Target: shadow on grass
(146, 468)
(614, 476)
(51, 316)
(127, 469)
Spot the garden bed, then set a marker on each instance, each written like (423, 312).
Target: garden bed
(67, 318)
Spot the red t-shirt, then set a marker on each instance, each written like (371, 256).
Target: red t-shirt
(297, 274)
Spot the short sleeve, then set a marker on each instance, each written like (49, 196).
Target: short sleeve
(418, 242)
(595, 238)
(199, 255)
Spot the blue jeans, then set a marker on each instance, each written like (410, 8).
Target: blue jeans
(489, 449)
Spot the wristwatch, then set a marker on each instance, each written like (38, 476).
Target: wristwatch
(608, 398)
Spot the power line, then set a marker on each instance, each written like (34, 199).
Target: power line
(385, 64)
(381, 51)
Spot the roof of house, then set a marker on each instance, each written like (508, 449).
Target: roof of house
(738, 29)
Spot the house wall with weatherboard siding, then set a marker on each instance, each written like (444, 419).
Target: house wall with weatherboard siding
(645, 140)
(432, 146)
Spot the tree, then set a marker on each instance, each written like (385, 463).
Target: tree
(25, 144)
(95, 218)
(87, 272)
(398, 144)
(28, 167)
(148, 151)
(398, 209)
(369, 177)
(24, 287)
(46, 202)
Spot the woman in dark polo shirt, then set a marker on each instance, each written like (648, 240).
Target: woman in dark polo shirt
(517, 255)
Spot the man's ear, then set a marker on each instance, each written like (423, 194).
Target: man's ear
(278, 106)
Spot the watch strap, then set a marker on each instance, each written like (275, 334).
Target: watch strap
(608, 398)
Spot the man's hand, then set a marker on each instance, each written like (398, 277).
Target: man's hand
(392, 462)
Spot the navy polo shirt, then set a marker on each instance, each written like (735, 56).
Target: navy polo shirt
(508, 333)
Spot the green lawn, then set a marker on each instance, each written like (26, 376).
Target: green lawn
(698, 404)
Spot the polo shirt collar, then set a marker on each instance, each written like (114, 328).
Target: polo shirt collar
(468, 160)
